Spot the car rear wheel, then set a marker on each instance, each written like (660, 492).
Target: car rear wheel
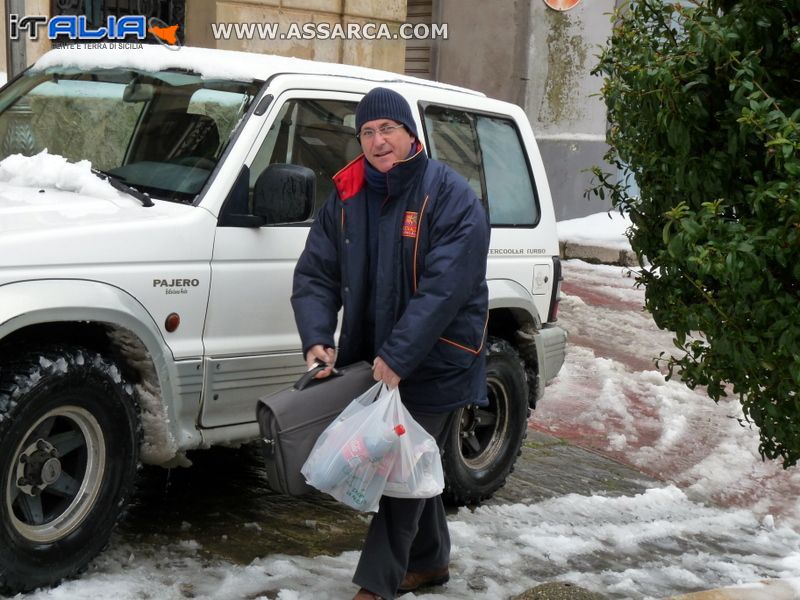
(484, 442)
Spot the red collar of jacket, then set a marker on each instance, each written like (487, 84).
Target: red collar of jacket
(351, 178)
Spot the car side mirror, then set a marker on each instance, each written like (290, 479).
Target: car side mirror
(284, 194)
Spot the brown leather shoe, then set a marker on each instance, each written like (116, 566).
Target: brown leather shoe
(417, 579)
(364, 594)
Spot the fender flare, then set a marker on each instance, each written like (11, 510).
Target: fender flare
(507, 293)
(33, 302)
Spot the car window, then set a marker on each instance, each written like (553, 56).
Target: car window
(66, 114)
(223, 107)
(318, 134)
(509, 186)
(452, 139)
(487, 150)
(162, 132)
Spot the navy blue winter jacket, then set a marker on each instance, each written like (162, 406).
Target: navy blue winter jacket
(431, 294)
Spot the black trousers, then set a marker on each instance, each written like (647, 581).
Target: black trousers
(406, 534)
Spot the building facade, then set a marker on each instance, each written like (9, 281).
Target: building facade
(521, 51)
(540, 59)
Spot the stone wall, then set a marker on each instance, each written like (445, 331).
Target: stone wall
(487, 47)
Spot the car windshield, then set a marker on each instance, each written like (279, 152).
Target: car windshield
(161, 133)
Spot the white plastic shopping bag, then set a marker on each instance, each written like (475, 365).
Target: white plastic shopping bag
(375, 448)
(354, 455)
(417, 471)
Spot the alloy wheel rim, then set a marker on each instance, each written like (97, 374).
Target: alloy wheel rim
(483, 430)
(56, 474)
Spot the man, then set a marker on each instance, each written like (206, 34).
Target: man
(401, 246)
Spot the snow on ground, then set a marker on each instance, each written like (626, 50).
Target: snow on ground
(611, 397)
(647, 546)
(729, 519)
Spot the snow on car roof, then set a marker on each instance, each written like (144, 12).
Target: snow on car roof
(217, 64)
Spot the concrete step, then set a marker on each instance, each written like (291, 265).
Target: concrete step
(596, 254)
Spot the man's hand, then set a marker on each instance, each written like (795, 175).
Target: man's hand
(324, 355)
(383, 372)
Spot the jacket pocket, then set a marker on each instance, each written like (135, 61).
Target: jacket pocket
(454, 353)
(443, 361)
(464, 338)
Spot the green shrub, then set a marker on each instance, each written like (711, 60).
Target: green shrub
(704, 102)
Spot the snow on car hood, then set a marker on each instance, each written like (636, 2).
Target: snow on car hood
(45, 170)
(46, 191)
(57, 213)
(24, 208)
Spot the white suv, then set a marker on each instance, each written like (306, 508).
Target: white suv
(144, 299)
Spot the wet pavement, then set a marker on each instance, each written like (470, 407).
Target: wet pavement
(223, 506)
(612, 396)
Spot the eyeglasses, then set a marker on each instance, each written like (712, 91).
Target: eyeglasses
(384, 130)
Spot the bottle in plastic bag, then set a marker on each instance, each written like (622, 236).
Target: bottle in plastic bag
(377, 483)
(355, 462)
(379, 445)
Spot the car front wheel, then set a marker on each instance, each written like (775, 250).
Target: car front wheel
(68, 460)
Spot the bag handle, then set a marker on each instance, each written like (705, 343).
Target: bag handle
(309, 375)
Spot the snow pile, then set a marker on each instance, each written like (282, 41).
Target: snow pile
(45, 170)
(606, 230)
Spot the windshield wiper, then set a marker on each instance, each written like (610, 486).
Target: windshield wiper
(120, 185)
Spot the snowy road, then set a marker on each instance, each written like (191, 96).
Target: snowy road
(664, 540)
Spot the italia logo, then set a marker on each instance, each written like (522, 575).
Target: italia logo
(410, 224)
(77, 28)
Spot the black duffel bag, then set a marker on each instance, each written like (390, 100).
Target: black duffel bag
(291, 421)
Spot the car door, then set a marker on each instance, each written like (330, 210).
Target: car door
(251, 342)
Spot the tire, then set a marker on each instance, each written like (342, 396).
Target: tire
(68, 462)
(484, 443)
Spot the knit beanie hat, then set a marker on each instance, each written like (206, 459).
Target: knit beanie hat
(383, 103)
